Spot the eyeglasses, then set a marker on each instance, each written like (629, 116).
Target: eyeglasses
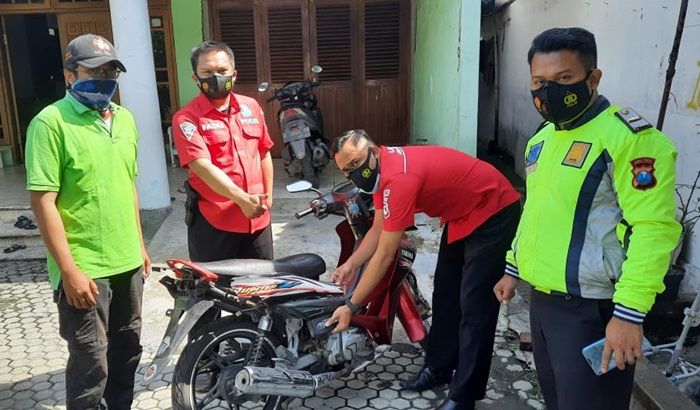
(111, 72)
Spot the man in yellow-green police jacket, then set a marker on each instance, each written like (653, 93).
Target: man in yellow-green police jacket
(591, 167)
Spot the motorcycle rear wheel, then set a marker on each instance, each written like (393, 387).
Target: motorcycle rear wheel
(221, 345)
(307, 167)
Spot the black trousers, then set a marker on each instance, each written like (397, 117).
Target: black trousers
(103, 344)
(561, 326)
(207, 243)
(467, 270)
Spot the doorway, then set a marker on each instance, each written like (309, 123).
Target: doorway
(34, 66)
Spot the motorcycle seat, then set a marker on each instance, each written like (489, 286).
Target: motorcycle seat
(307, 265)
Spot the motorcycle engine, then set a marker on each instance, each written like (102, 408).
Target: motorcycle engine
(350, 345)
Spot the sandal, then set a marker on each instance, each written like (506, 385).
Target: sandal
(15, 247)
(21, 220)
(26, 223)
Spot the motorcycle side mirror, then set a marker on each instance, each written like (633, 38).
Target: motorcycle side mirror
(299, 186)
(316, 69)
(263, 86)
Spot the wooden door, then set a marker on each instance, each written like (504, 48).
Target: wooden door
(366, 68)
(385, 74)
(6, 127)
(72, 25)
(335, 41)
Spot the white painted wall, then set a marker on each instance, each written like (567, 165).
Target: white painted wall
(634, 40)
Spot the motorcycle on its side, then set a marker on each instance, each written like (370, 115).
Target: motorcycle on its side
(272, 343)
(306, 152)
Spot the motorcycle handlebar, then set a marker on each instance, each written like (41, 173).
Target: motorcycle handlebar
(303, 213)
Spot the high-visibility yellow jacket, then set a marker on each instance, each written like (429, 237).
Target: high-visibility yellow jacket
(583, 183)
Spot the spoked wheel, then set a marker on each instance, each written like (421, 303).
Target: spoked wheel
(204, 374)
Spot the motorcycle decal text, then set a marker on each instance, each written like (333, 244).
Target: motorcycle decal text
(254, 289)
(248, 290)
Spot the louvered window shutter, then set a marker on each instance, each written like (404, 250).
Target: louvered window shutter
(382, 51)
(286, 50)
(238, 31)
(333, 41)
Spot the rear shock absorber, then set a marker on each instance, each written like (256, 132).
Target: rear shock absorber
(256, 352)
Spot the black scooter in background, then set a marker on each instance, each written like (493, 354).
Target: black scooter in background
(306, 151)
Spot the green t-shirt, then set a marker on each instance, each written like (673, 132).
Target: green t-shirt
(70, 150)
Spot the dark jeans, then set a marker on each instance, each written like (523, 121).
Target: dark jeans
(103, 343)
(467, 270)
(562, 325)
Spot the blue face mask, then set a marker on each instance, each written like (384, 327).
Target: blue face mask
(94, 93)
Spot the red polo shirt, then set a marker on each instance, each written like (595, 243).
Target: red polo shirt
(235, 142)
(441, 182)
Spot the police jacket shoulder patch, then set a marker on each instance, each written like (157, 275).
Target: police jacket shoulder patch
(632, 120)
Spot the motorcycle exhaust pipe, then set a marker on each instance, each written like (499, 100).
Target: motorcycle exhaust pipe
(266, 381)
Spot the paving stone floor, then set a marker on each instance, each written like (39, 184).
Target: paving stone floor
(33, 357)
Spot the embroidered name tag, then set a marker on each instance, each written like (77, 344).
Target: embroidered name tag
(577, 154)
(249, 121)
(213, 125)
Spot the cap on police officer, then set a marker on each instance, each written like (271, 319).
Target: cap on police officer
(91, 51)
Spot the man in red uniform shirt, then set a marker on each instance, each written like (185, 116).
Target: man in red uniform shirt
(480, 210)
(222, 140)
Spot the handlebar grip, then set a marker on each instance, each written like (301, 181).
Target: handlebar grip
(303, 213)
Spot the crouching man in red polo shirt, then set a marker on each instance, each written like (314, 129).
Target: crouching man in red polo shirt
(480, 210)
(222, 140)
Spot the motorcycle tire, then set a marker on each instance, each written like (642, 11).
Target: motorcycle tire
(307, 167)
(210, 340)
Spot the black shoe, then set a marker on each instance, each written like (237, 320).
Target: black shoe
(427, 378)
(453, 405)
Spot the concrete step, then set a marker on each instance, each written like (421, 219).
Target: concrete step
(31, 252)
(10, 235)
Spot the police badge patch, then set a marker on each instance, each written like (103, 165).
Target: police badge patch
(188, 129)
(643, 173)
(532, 156)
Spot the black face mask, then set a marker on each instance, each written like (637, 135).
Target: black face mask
(217, 86)
(365, 178)
(561, 103)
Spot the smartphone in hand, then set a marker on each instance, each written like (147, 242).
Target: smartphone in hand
(594, 354)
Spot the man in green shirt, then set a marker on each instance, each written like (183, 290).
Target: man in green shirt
(81, 170)
(593, 169)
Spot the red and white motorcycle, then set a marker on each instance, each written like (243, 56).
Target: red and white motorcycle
(273, 344)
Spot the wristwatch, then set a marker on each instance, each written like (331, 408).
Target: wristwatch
(354, 309)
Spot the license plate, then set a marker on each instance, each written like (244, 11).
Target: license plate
(294, 134)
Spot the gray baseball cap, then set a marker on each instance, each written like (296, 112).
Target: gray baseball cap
(91, 51)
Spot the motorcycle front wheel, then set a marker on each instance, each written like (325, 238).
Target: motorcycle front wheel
(204, 374)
